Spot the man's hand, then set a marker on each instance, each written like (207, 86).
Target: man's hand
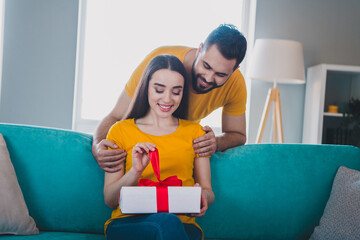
(206, 144)
(108, 160)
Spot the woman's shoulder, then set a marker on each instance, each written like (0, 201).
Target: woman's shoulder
(190, 126)
(188, 123)
(123, 124)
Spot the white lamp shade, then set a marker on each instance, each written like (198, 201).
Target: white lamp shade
(277, 60)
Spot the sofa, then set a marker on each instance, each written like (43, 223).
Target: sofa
(262, 191)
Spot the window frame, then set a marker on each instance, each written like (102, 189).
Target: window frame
(2, 29)
(88, 125)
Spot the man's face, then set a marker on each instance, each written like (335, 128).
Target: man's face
(210, 69)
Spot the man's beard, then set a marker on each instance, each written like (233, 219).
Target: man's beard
(199, 88)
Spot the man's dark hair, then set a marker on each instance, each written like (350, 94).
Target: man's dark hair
(140, 104)
(230, 42)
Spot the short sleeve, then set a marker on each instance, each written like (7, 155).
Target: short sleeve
(198, 132)
(114, 135)
(236, 99)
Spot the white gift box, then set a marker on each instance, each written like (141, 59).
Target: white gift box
(143, 200)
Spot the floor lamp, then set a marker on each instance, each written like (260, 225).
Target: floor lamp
(278, 61)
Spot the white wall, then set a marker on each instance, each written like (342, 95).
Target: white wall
(329, 31)
(40, 47)
(39, 62)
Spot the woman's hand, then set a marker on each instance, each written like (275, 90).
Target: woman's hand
(202, 174)
(140, 156)
(204, 204)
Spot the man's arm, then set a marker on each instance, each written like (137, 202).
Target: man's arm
(234, 132)
(109, 160)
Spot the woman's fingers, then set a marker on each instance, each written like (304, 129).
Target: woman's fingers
(147, 147)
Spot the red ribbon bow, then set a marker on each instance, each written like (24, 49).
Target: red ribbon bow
(161, 185)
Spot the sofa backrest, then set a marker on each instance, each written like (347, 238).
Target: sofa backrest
(262, 191)
(273, 191)
(60, 180)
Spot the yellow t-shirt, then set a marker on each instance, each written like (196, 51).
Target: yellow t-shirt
(231, 96)
(176, 153)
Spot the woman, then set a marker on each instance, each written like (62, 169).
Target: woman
(156, 120)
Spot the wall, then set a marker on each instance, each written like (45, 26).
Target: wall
(329, 32)
(39, 62)
(40, 52)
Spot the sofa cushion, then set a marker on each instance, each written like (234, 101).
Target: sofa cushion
(341, 219)
(15, 218)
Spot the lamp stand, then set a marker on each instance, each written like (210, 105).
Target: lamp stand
(273, 96)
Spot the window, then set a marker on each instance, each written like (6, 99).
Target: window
(115, 36)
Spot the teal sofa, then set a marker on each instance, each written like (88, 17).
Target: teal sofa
(263, 191)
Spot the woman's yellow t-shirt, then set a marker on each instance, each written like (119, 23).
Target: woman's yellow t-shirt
(176, 153)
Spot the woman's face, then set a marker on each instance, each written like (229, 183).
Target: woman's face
(165, 92)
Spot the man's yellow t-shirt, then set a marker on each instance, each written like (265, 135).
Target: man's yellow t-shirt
(231, 96)
(176, 153)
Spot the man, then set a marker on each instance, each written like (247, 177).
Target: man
(215, 82)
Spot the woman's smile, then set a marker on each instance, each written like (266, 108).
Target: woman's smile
(165, 108)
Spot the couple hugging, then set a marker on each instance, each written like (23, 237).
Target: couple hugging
(170, 91)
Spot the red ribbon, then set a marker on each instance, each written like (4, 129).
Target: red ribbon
(162, 198)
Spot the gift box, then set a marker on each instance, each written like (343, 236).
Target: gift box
(137, 200)
(163, 196)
